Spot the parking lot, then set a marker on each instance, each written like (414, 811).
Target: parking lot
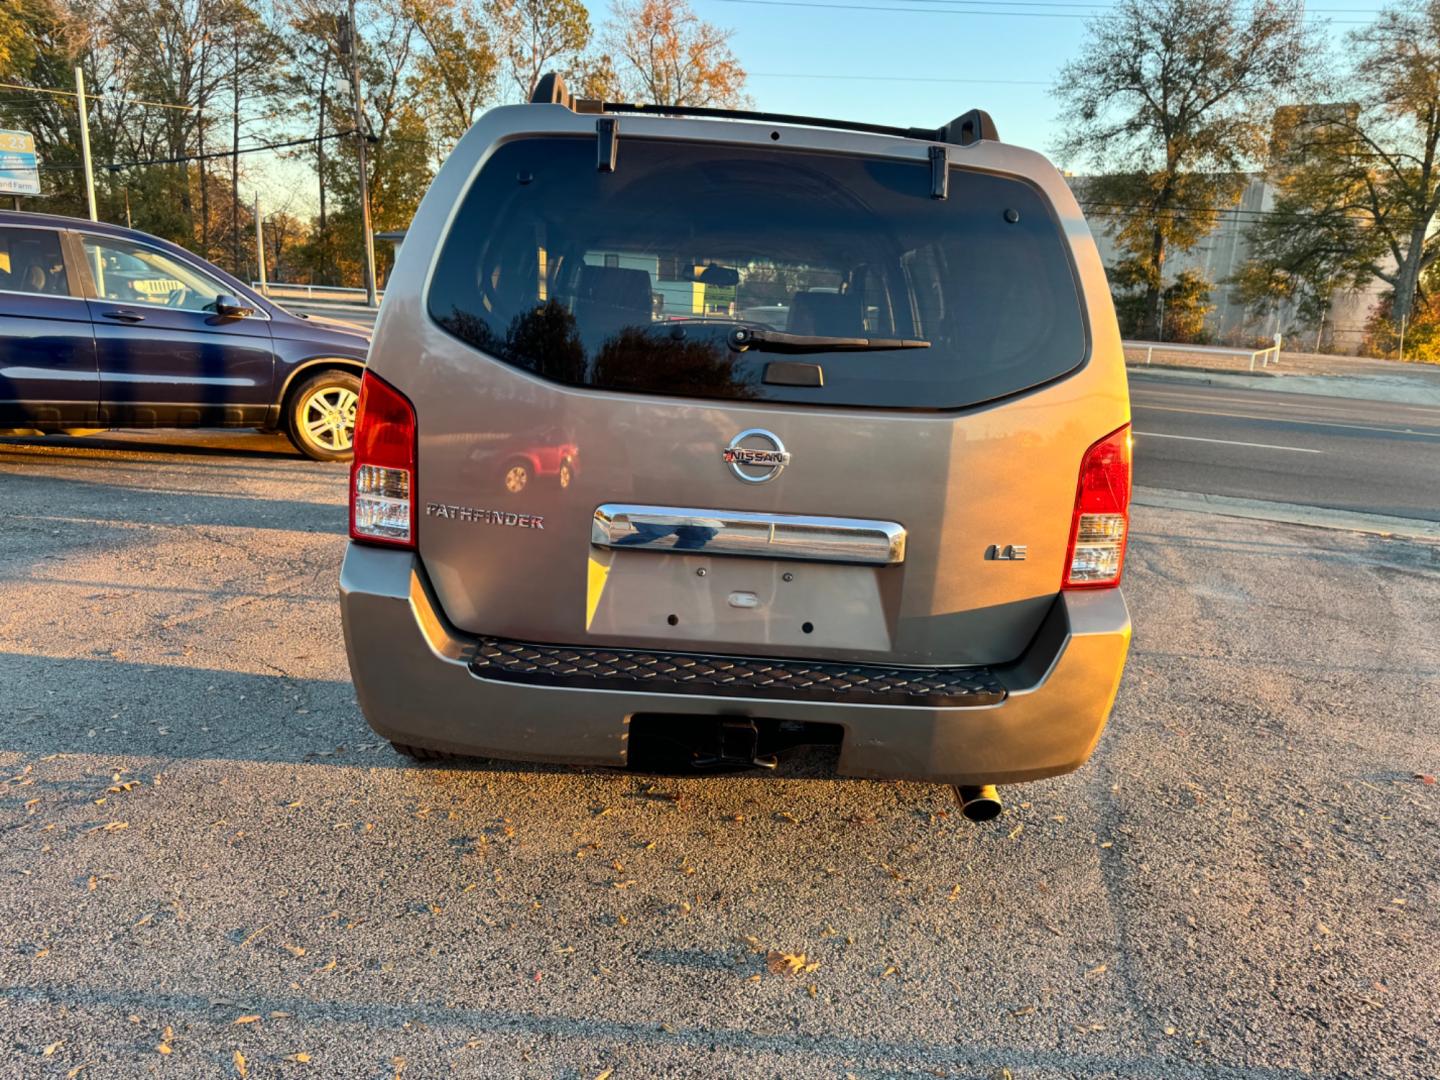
(214, 868)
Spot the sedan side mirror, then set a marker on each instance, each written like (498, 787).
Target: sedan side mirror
(230, 307)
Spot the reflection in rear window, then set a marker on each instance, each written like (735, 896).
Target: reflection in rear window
(634, 280)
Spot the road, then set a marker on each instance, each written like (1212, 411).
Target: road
(211, 866)
(1342, 454)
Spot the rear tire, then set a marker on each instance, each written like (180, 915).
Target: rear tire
(320, 415)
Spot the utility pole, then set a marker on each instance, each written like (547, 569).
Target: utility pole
(349, 46)
(235, 160)
(85, 141)
(260, 247)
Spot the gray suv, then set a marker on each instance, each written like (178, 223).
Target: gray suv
(724, 432)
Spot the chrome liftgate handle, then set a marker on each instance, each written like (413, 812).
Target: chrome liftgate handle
(738, 532)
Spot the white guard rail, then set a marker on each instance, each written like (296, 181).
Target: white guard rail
(1264, 357)
(276, 290)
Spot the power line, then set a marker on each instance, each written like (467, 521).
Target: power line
(117, 165)
(95, 97)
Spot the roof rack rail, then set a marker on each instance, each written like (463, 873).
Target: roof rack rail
(964, 130)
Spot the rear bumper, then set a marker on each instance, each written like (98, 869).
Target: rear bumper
(415, 684)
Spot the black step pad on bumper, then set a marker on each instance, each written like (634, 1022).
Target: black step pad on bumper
(733, 676)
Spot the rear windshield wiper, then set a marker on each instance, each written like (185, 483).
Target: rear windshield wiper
(745, 337)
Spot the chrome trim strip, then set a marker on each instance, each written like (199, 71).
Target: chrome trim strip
(737, 532)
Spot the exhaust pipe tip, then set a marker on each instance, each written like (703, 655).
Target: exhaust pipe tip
(978, 802)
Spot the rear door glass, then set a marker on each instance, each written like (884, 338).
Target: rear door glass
(31, 262)
(634, 280)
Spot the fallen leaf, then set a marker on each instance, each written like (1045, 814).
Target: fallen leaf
(49, 1051)
(1098, 969)
(302, 1057)
(891, 970)
(78, 1069)
(297, 950)
(1025, 1011)
(1424, 778)
(605, 1075)
(240, 1065)
(249, 1018)
(783, 963)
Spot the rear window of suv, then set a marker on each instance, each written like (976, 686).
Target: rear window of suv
(635, 280)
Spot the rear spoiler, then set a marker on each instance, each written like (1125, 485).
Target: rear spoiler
(964, 130)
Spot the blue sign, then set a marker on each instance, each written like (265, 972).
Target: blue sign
(19, 171)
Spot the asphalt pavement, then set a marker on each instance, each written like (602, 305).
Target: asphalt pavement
(1334, 452)
(213, 869)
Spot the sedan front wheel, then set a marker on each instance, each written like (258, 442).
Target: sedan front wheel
(321, 420)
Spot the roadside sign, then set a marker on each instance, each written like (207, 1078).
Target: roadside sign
(19, 171)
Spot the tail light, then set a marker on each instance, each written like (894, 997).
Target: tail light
(1101, 521)
(382, 476)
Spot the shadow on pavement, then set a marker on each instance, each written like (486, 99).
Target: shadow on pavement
(218, 442)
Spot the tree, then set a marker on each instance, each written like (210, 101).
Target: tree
(594, 76)
(42, 42)
(670, 56)
(457, 72)
(1361, 200)
(1170, 100)
(539, 35)
(1418, 336)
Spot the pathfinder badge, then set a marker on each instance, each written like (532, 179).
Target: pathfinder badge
(484, 517)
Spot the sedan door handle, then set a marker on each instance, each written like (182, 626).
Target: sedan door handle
(124, 315)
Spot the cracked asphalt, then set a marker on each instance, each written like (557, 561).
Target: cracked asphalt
(212, 868)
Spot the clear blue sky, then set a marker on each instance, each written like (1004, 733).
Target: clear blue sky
(1005, 63)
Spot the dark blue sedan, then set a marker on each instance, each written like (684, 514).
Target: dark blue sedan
(103, 327)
